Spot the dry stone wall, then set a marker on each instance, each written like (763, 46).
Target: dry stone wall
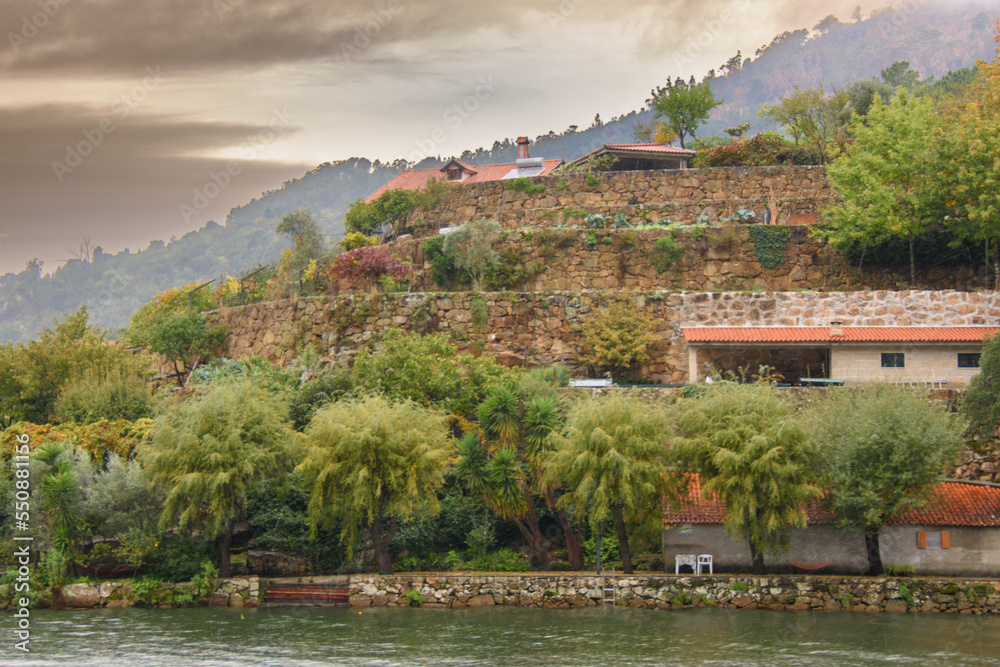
(672, 592)
(720, 258)
(537, 329)
(788, 194)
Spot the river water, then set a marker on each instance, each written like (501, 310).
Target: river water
(503, 636)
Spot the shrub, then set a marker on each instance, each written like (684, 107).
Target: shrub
(355, 240)
(616, 336)
(368, 264)
(511, 270)
(414, 597)
(593, 181)
(205, 581)
(524, 184)
(740, 586)
(665, 253)
(444, 264)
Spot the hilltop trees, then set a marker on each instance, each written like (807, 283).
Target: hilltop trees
(884, 448)
(685, 105)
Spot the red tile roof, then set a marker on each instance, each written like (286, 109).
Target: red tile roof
(636, 149)
(954, 503)
(851, 334)
(414, 179)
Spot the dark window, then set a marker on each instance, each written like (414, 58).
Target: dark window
(892, 360)
(968, 360)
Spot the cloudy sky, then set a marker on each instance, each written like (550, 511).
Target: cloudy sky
(124, 121)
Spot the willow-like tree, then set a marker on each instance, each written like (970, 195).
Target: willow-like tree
(752, 455)
(611, 456)
(504, 462)
(208, 450)
(372, 463)
(884, 449)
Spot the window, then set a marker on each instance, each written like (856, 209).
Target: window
(933, 539)
(893, 360)
(968, 360)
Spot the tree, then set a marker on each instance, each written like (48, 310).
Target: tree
(889, 176)
(685, 106)
(899, 75)
(617, 337)
(884, 448)
(302, 228)
(504, 462)
(473, 245)
(372, 463)
(611, 457)
(387, 211)
(981, 403)
(184, 338)
(812, 115)
(751, 454)
(208, 450)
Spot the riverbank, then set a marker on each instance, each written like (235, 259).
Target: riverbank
(564, 590)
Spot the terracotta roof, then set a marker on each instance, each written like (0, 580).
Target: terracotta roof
(954, 503)
(414, 179)
(636, 149)
(851, 334)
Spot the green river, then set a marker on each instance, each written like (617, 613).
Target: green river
(507, 636)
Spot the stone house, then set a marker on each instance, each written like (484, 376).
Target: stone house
(956, 533)
(929, 356)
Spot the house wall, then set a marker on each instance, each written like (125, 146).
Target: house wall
(922, 364)
(974, 551)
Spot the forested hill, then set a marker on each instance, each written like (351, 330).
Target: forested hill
(934, 39)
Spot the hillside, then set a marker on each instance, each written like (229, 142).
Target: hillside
(935, 40)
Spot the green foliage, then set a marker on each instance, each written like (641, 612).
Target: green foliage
(754, 456)
(255, 370)
(684, 105)
(905, 593)
(355, 240)
(480, 313)
(183, 337)
(427, 370)
(445, 270)
(611, 456)
(609, 550)
(206, 581)
(511, 269)
(208, 450)
(665, 253)
(884, 448)
(616, 337)
(592, 181)
(322, 389)
(111, 393)
(981, 403)
(472, 247)
(54, 567)
(813, 115)
(769, 242)
(371, 463)
(414, 597)
(767, 148)
(740, 586)
(390, 209)
(302, 228)
(525, 184)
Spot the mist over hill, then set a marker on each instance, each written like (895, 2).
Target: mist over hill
(934, 39)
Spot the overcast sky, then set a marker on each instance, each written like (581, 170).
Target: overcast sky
(125, 121)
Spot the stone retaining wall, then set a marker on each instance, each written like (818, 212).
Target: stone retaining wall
(667, 592)
(242, 592)
(792, 195)
(720, 258)
(538, 329)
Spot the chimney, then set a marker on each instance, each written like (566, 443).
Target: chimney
(836, 329)
(522, 148)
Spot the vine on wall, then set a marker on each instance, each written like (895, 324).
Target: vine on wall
(769, 244)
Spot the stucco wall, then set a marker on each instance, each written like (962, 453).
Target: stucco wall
(973, 552)
(922, 364)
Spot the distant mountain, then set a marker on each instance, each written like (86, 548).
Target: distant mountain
(934, 39)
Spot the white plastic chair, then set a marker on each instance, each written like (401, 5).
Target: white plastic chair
(703, 560)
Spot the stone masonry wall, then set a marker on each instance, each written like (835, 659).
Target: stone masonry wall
(538, 329)
(721, 259)
(242, 592)
(794, 194)
(673, 592)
